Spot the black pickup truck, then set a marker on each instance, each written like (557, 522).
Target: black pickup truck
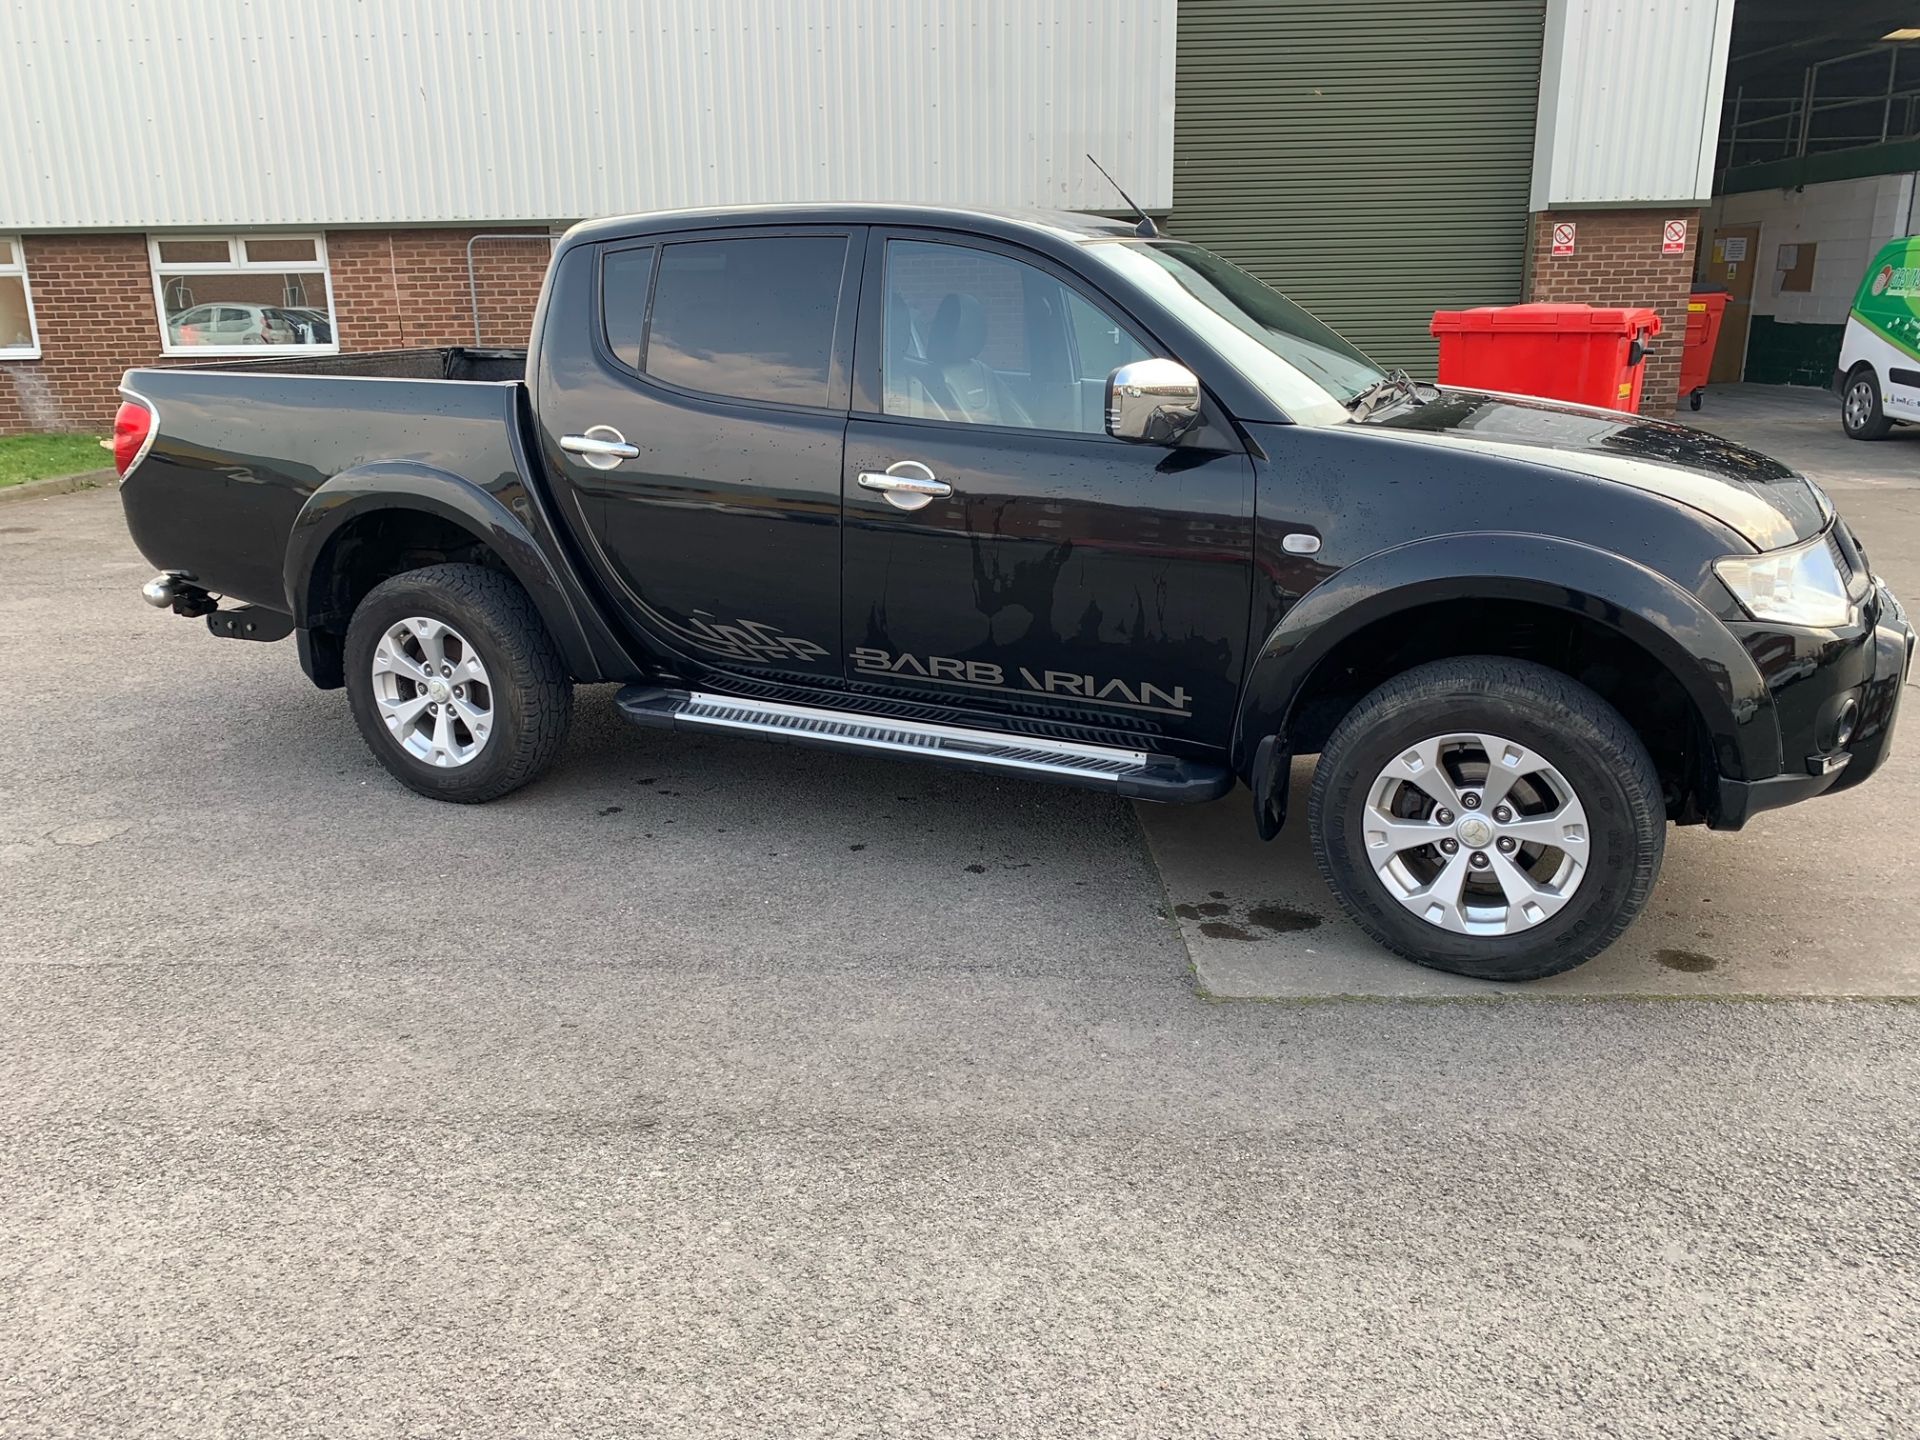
(1047, 495)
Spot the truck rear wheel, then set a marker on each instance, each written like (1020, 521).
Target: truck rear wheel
(455, 683)
(1489, 817)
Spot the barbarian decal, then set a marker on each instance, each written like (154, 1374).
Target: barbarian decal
(1141, 695)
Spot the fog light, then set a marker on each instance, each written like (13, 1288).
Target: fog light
(1843, 727)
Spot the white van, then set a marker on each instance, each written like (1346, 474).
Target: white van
(1879, 376)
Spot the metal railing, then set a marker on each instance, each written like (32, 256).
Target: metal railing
(473, 276)
(1785, 128)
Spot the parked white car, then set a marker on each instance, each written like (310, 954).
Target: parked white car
(231, 323)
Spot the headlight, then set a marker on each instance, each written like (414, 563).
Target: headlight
(1797, 586)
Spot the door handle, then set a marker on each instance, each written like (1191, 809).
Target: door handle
(907, 484)
(602, 447)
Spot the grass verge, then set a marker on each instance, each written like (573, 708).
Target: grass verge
(40, 457)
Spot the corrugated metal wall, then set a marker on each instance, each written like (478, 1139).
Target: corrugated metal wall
(341, 112)
(1371, 161)
(1630, 104)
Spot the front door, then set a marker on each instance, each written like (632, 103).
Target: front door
(700, 434)
(1732, 259)
(1040, 570)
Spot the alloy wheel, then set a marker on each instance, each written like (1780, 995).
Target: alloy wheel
(432, 691)
(1475, 834)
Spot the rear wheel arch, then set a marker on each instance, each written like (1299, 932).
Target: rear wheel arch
(367, 525)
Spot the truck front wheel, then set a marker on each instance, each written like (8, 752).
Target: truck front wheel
(1490, 817)
(455, 683)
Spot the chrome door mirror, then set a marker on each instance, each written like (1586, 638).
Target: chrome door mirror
(1152, 402)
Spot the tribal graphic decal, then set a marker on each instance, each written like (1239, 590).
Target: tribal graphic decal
(741, 639)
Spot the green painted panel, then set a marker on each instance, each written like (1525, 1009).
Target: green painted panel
(1779, 353)
(1898, 157)
(1371, 161)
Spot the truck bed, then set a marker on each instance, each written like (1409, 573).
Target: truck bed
(241, 445)
(428, 362)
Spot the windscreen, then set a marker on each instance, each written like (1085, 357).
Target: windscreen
(1253, 324)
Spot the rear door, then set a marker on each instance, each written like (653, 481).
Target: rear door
(1057, 574)
(700, 433)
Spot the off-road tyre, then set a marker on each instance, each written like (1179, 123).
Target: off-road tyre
(533, 695)
(1583, 736)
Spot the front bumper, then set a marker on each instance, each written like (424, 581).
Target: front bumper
(1870, 672)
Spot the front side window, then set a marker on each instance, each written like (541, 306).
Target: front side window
(235, 292)
(751, 318)
(981, 338)
(18, 338)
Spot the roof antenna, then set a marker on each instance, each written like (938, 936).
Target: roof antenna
(1145, 229)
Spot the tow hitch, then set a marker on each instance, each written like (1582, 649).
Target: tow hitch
(250, 622)
(174, 590)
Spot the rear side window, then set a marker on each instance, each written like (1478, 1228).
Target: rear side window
(624, 278)
(750, 318)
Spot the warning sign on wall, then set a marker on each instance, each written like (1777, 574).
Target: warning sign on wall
(1673, 238)
(1563, 237)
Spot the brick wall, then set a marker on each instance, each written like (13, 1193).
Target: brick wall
(1617, 260)
(93, 303)
(394, 288)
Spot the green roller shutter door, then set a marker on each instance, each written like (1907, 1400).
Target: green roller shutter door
(1372, 161)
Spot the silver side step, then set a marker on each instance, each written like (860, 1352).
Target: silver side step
(1127, 772)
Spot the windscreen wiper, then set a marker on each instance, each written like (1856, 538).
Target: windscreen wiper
(1395, 384)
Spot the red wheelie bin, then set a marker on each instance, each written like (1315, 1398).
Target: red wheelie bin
(1705, 310)
(1591, 354)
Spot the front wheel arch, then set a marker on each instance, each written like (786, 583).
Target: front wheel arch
(1565, 588)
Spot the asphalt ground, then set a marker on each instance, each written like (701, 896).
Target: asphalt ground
(712, 1088)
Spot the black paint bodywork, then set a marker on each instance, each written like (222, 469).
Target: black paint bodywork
(1109, 592)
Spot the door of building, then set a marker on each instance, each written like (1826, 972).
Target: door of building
(1370, 161)
(1731, 261)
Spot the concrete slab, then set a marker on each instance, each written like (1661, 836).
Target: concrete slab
(1809, 901)
(1815, 900)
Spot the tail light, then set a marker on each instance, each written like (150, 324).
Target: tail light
(132, 433)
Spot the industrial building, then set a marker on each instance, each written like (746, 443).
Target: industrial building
(204, 177)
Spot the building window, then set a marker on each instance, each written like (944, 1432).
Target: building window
(226, 294)
(18, 338)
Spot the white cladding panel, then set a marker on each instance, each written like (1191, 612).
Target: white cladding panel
(1630, 101)
(345, 112)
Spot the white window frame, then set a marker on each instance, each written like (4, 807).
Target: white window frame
(238, 264)
(13, 265)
